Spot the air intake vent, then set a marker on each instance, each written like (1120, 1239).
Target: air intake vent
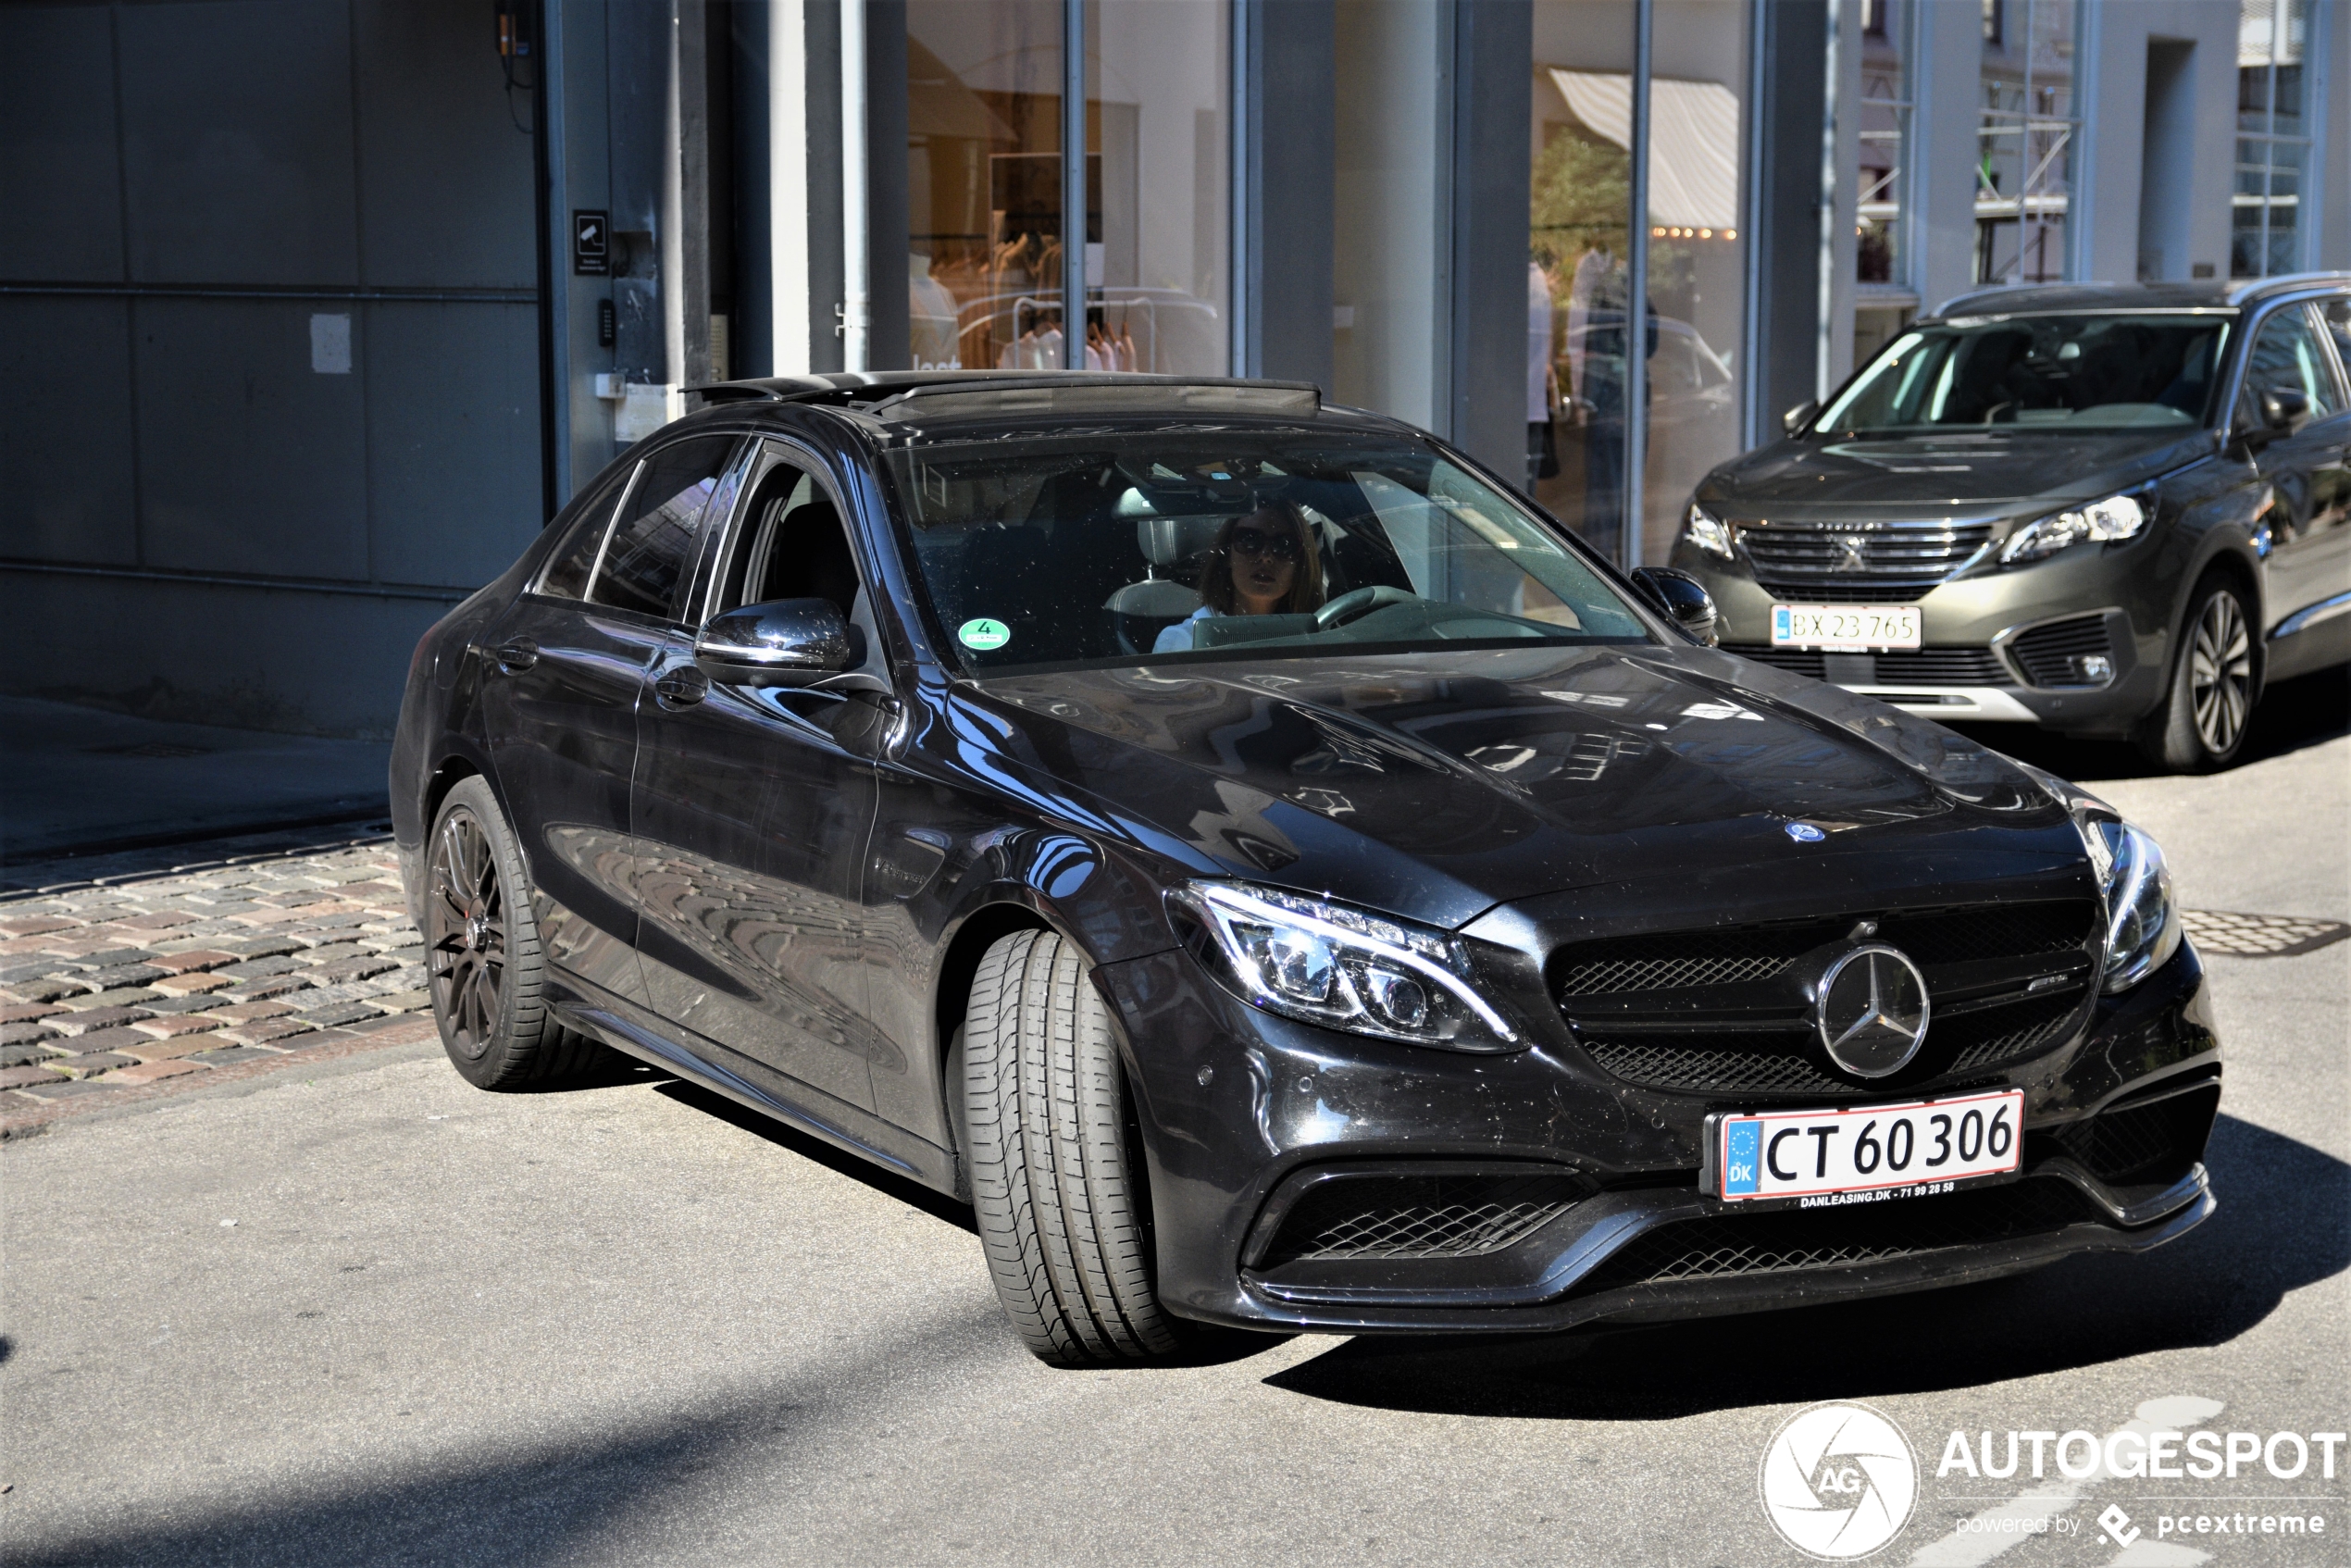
(2067, 652)
(2144, 1143)
(1418, 1217)
(1784, 1242)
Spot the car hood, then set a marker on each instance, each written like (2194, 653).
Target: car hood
(1436, 786)
(1959, 468)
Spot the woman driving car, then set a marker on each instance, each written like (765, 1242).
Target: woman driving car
(1262, 563)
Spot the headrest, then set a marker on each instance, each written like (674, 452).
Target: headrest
(1172, 541)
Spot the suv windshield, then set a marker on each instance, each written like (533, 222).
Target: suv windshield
(2038, 372)
(1107, 548)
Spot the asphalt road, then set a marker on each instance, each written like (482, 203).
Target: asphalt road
(367, 1314)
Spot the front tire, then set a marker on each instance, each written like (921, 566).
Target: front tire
(1056, 1160)
(483, 953)
(2201, 727)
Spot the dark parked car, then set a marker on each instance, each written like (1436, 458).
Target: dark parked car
(2113, 511)
(1282, 880)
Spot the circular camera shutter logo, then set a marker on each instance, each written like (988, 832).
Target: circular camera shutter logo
(1838, 1482)
(1873, 1010)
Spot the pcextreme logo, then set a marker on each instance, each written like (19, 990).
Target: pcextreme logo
(1839, 1481)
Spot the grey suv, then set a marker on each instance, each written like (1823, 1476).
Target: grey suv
(2113, 511)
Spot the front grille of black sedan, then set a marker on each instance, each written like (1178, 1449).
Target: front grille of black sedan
(1419, 1216)
(1899, 666)
(1786, 1241)
(1720, 1011)
(1862, 563)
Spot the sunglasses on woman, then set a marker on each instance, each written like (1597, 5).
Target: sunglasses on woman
(1257, 542)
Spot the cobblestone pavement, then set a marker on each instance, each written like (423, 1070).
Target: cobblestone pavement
(125, 980)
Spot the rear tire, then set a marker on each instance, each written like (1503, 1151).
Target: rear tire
(2209, 703)
(1056, 1162)
(481, 950)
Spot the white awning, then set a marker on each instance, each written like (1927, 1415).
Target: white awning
(1694, 141)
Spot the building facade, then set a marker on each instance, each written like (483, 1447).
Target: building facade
(315, 310)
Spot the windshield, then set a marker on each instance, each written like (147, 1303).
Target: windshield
(2038, 372)
(1108, 548)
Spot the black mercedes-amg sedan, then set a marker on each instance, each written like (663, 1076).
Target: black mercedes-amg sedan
(1277, 875)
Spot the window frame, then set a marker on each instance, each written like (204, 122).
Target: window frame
(2253, 325)
(768, 452)
(537, 588)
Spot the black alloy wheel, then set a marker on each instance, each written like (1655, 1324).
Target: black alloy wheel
(2201, 723)
(482, 951)
(466, 907)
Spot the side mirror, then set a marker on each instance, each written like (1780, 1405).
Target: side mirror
(783, 642)
(2284, 410)
(1796, 418)
(1682, 599)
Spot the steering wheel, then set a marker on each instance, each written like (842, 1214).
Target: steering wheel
(1361, 601)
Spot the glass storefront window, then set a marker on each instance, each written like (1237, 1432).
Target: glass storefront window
(2273, 143)
(1885, 136)
(2024, 142)
(983, 186)
(1158, 81)
(1582, 322)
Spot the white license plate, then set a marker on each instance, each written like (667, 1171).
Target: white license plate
(1845, 626)
(1821, 1158)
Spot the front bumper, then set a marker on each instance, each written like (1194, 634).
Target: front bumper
(1245, 1113)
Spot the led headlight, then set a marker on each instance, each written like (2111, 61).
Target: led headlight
(2117, 517)
(1340, 967)
(1708, 531)
(2142, 919)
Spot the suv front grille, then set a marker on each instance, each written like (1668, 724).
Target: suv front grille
(1718, 1012)
(1419, 1216)
(1858, 562)
(1783, 1241)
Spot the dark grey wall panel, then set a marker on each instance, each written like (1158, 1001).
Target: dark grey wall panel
(249, 461)
(65, 430)
(255, 658)
(1292, 160)
(237, 145)
(453, 441)
(60, 175)
(445, 177)
(1784, 248)
(1492, 105)
(890, 345)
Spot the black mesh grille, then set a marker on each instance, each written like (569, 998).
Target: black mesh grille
(2051, 655)
(1858, 562)
(1678, 1065)
(2144, 1143)
(2000, 930)
(1797, 661)
(1789, 1241)
(1412, 1217)
(1994, 1034)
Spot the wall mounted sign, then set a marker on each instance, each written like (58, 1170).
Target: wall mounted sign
(592, 244)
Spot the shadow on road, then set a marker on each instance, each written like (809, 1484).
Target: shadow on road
(2307, 711)
(2283, 1222)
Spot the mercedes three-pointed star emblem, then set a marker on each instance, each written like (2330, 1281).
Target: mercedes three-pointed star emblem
(1873, 1010)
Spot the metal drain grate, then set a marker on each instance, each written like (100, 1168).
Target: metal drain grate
(2260, 936)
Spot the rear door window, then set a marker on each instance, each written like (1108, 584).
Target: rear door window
(574, 561)
(657, 535)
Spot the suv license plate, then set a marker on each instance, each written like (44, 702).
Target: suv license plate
(1845, 626)
(1821, 1158)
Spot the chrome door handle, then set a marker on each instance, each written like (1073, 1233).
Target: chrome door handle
(516, 656)
(681, 688)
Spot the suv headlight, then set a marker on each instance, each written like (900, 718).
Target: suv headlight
(2117, 517)
(2142, 918)
(1708, 531)
(1340, 967)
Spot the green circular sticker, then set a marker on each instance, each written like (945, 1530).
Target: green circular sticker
(984, 635)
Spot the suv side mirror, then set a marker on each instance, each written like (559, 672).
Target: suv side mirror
(2284, 410)
(1796, 418)
(1682, 599)
(782, 643)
